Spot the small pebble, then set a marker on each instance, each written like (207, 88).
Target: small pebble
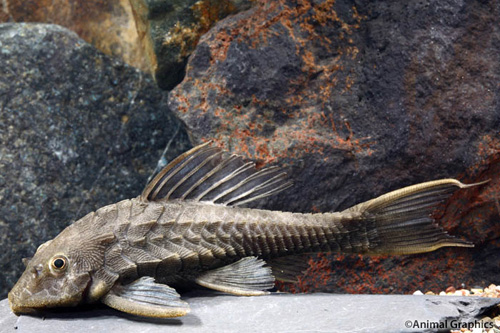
(450, 289)
(418, 292)
(491, 291)
(462, 292)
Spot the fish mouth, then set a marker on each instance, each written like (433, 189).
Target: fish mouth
(26, 308)
(18, 309)
(21, 310)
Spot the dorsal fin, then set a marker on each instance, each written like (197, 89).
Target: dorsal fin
(209, 174)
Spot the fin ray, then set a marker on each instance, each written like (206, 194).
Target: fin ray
(144, 297)
(402, 218)
(209, 174)
(245, 277)
(288, 268)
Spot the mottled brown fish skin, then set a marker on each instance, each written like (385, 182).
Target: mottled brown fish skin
(177, 240)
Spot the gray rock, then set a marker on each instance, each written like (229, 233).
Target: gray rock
(273, 313)
(78, 130)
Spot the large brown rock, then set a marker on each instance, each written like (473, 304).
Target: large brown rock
(357, 98)
(108, 25)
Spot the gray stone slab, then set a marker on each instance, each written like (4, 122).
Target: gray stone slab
(274, 313)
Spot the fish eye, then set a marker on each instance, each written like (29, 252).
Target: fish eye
(59, 263)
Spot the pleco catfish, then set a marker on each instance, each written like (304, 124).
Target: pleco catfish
(188, 227)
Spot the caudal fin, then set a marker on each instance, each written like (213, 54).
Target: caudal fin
(402, 219)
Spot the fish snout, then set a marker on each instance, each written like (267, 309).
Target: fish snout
(16, 301)
(19, 310)
(16, 308)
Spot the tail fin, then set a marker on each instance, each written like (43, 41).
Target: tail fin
(402, 221)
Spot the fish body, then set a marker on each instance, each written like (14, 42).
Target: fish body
(188, 226)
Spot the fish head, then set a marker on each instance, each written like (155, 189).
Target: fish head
(56, 276)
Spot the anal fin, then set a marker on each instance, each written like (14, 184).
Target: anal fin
(288, 268)
(246, 277)
(144, 297)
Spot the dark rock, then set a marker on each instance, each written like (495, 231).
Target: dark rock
(357, 98)
(78, 130)
(170, 30)
(273, 313)
(108, 25)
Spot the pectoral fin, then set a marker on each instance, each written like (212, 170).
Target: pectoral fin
(246, 277)
(144, 297)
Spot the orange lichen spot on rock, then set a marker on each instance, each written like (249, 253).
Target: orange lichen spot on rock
(205, 89)
(257, 101)
(292, 100)
(352, 51)
(309, 62)
(315, 118)
(315, 209)
(358, 17)
(208, 12)
(220, 87)
(320, 268)
(184, 37)
(262, 152)
(183, 103)
(203, 105)
(254, 29)
(349, 82)
(488, 147)
(220, 45)
(324, 12)
(218, 112)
